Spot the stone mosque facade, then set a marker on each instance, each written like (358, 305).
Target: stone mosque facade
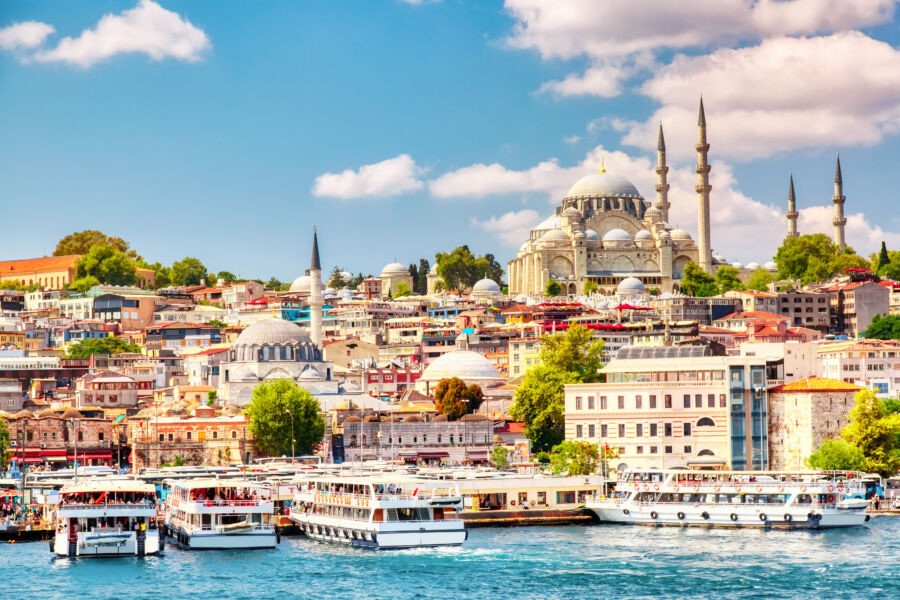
(605, 231)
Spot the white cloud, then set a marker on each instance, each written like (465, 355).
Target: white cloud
(25, 35)
(511, 228)
(861, 235)
(783, 94)
(572, 139)
(148, 28)
(389, 177)
(618, 37)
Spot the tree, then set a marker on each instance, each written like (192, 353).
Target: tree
(727, 279)
(108, 265)
(890, 271)
(891, 405)
(336, 279)
(811, 258)
(217, 324)
(574, 458)
(422, 284)
(697, 282)
(226, 276)
(211, 397)
(883, 258)
(495, 269)
(553, 289)
(414, 273)
(837, 455)
(759, 280)
(884, 328)
(460, 269)
(189, 271)
(575, 351)
(875, 432)
(273, 407)
(108, 345)
(163, 274)
(402, 290)
(83, 284)
(4, 443)
(539, 403)
(500, 457)
(590, 287)
(452, 397)
(275, 284)
(81, 242)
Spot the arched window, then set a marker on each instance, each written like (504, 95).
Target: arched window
(100, 436)
(706, 422)
(706, 453)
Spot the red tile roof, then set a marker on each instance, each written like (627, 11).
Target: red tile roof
(753, 315)
(38, 265)
(817, 384)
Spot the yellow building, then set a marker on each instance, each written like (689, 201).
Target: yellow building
(52, 272)
(16, 338)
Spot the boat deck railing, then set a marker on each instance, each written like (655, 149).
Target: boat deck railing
(216, 528)
(108, 506)
(366, 520)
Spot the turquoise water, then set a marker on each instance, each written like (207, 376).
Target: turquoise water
(596, 562)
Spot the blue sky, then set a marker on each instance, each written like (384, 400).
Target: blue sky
(226, 130)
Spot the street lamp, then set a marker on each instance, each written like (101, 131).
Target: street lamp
(293, 452)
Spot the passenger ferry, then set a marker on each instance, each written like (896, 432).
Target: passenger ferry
(376, 512)
(220, 514)
(106, 518)
(797, 500)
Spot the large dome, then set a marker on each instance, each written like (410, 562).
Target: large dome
(630, 285)
(555, 235)
(602, 185)
(616, 235)
(301, 284)
(465, 364)
(394, 269)
(486, 286)
(273, 332)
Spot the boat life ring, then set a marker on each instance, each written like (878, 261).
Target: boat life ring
(788, 518)
(803, 488)
(676, 487)
(625, 511)
(758, 488)
(781, 487)
(705, 515)
(696, 487)
(646, 487)
(830, 488)
(831, 498)
(655, 487)
(733, 517)
(681, 516)
(763, 517)
(654, 515)
(868, 517)
(840, 487)
(532, 502)
(512, 502)
(737, 487)
(717, 487)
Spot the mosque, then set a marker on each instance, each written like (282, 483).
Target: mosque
(604, 231)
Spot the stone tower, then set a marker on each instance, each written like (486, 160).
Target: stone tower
(792, 213)
(315, 294)
(839, 219)
(662, 186)
(703, 188)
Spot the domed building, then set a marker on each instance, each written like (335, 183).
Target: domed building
(606, 232)
(469, 366)
(486, 289)
(391, 275)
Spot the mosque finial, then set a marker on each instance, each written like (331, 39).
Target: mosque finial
(602, 165)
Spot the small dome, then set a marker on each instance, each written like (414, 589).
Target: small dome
(486, 286)
(602, 185)
(522, 248)
(394, 269)
(301, 284)
(771, 266)
(345, 294)
(592, 235)
(680, 234)
(328, 291)
(353, 419)
(551, 222)
(346, 275)
(27, 414)
(630, 285)
(737, 265)
(653, 212)
(273, 332)
(753, 266)
(465, 364)
(616, 235)
(346, 405)
(370, 419)
(720, 259)
(70, 413)
(473, 417)
(440, 419)
(570, 212)
(310, 373)
(412, 419)
(555, 235)
(643, 236)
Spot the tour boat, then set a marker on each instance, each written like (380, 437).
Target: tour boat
(220, 514)
(106, 517)
(376, 512)
(784, 500)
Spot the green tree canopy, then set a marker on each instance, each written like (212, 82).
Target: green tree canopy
(452, 397)
(460, 269)
(759, 280)
(837, 455)
(590, 287)
(727, 279)
(226, 276)
(273, 407)
(163, 274)
(500, 457)
(574, 458)
(576, 351)
(275, 284)
(336, 280)
(883, 257)
(81, 242)
(552, 289)
(402, 290)
(83, 284)
(108, 345)
(189, 271)
(814, 257)
(108, 265)
(422, 283)
(875, 432)
(697, 282)
(539, 403)
(885, 327)
(4, 443)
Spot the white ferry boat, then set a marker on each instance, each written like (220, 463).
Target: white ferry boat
(220, 514)
(798, 500)
(106, 518)
(376, 512)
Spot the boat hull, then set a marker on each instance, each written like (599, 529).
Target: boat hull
(762, 516)
(125, 544)
(382, 538)
(255, 540)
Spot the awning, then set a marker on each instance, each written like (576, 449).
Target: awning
(56, 458)
(120, 418)
(60, 452)
(706, 461)
(91, 455)
(434, 454)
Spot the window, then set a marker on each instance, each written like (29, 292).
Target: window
(639, 430)
(100, 437)
(687, 429)
(639, 449)
(654, 450)
(188, 435)
(621, 401)
(565, 497)
(687, 449)
(577, 402)
(80, 436)
(171, 437)
(687, 400)
(706, 422)
(667, 430)
(591, 431)
(722, 401)
(698, 401)
(578, 431)
(234, 434)
(653, 430)
(603, 431)
(668, 401)
(621, 430)
(711, 401)
(215, 435)
(590, 403)
(542, 498)
(638, 401)
(602, 402)
(653, 401)
(668, 449)
(162, 437)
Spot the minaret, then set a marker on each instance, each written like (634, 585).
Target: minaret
(315, 294)
(703, 188)
(662, 187)
(792, 211)
(839, 219)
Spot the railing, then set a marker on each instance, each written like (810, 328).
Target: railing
(686, 486)
(211, 528)
(206, 502)
(107, 506)
(344, 499)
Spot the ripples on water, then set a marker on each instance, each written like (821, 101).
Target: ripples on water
(554, 563)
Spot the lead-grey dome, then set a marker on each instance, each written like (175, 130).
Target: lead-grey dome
(273, 332)
(616, 235)
(486, 286)
(602, 185)
(394, 269)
